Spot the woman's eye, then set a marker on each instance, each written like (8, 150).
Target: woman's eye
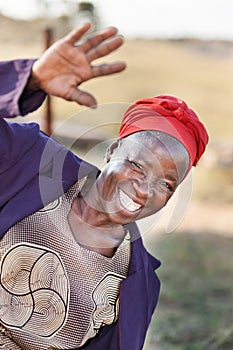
(167, 185)
(137, 165)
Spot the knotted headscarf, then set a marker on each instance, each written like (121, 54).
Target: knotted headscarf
(170, 115)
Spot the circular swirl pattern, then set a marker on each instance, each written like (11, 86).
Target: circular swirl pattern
(105, 297)
(34, 290)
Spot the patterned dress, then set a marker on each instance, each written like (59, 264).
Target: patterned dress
(54, 293)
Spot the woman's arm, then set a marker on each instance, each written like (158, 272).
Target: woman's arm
(15, 99)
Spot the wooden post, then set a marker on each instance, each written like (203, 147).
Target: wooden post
(48, 35)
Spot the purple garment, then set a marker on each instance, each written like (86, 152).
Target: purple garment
(35, 170)
(14, 100)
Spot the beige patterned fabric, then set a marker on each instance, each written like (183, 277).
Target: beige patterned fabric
(53, 292)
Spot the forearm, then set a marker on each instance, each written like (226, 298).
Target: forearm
(17, 97)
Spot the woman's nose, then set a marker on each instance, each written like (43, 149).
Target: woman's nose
(142, 188)
(137, 187)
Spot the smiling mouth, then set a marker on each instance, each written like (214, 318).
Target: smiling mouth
(127, 202)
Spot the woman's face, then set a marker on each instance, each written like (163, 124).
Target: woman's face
(138, 180)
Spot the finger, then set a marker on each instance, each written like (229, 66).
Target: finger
(104, 49)
(98, 38)
(83, 98)
(106, 69)
(76, 34)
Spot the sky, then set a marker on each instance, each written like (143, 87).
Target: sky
(206, 19)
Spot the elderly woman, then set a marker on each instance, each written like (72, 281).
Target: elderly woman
(74, 271)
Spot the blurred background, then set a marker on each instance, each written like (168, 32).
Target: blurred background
(183, 48)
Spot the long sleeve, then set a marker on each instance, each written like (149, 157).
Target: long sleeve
(34, 169)
(14, 99)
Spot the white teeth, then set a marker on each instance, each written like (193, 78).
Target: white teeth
(127, 202)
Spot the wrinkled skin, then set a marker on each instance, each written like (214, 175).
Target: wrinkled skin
(137, 181)
(63, 67)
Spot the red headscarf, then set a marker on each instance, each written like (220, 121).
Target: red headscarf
(170, 115)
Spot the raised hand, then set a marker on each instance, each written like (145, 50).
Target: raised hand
(66, 64)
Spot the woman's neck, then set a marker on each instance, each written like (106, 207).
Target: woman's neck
(91, 229)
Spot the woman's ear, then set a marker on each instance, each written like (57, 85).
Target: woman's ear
(110, 150)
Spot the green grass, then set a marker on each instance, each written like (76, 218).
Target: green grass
(195, 309)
